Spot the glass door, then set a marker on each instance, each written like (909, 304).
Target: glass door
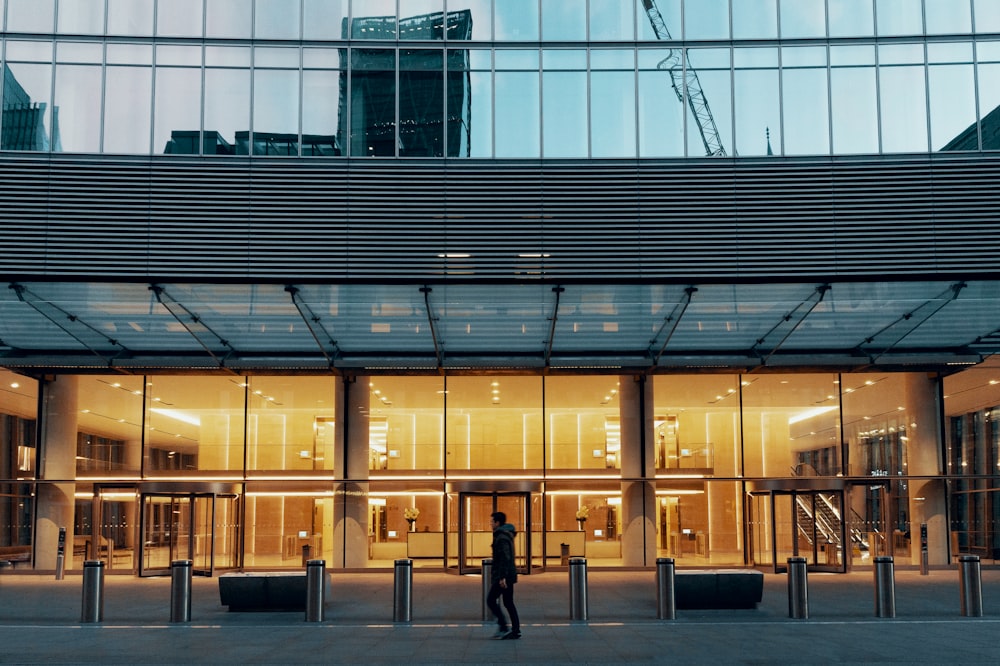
(475, 537)
(798, 523)
(188, 526)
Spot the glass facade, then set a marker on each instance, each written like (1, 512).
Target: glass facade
(261, 467)
(533, 78)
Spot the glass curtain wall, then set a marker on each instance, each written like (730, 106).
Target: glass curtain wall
(513, 79)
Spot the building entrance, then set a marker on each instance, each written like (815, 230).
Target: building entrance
(798, 523)
(475, 536)
(197, 526)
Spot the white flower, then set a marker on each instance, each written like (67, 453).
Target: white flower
(583, 513)
(412, 513)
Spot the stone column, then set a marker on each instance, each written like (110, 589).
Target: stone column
(57, 471)
(350, 505)
(635, 400)
(927, 499)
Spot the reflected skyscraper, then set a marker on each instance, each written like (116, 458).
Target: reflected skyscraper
(425, 95)
(23, 123)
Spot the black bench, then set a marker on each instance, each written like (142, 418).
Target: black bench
(726, 588)
(264, 591)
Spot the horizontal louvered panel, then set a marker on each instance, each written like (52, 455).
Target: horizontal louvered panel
(239, 219)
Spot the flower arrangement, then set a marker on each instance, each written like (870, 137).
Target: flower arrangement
(411, 514)
(582, 514)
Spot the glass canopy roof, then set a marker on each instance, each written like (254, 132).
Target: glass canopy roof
(64, 326)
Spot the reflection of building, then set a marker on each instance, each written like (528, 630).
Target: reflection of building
(23, 123)
(264, 143)
(969, 139)
(423, 100)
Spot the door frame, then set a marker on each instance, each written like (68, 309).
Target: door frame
(495, 489)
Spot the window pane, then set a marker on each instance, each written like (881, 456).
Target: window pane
(179, 18)
(276, 19)
(321, 113)
(716, 86)
(803, 18)
(26, 92)
(474, 110)
(77, 108)
(323, 19)
(194, 423)
(852, 18)
(696, 424)
(805, 112)
(291, 424)
(406, 429)
(421, 19)
(755, 19)
(855, 110)
(228, 18)
(227, 110)
(480, 12)
(989, 103)
(669, 12)
(987, 15)
(177, 110)
(373, 103)
(517, 114)
(612, 114)
(564, 111)
(494, 423)
(612, 20)
(30, 15)
(661, 116)
(81, 17)
(903, 107)
(130, 17)
(583, 425)
(421, 103)
(373, 19)
(110, 425)
(705, 19)
(899, 17)
(948, 16)
(953, 107)
(564, 20)
(128, 108)
(516, 20)
(757, 127)
(130, 54)
(275, 112)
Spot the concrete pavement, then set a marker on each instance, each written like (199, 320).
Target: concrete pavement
(40, 623)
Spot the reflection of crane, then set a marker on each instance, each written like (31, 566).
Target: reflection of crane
(686, 85)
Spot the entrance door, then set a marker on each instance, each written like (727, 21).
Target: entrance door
(798, 523)
(475, 536)
(200, 527)
(113, 536)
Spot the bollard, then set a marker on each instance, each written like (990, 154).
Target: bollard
(885, 587)
(180, 590)
(798, 588)
(666, 596)
(578, 608)
(315, 590)
(402, 600)
(93, 591)
(306, 554)
(970, 580)
(487, 584)
(564, 554)
(923, 550)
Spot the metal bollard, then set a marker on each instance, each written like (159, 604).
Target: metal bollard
(798, 588)
(93, 591)
(578, 607)
(315, 590)
(180, 590)
(666, 596)
(487, 584)
(885, 587)
(61, 555)
(970, 580)
(402, 600)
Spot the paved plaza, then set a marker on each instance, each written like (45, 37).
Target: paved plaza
(40, 623)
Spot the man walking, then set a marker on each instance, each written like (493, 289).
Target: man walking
(503, 578)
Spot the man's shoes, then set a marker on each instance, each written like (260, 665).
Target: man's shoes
(502, 633)
(511, 636)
